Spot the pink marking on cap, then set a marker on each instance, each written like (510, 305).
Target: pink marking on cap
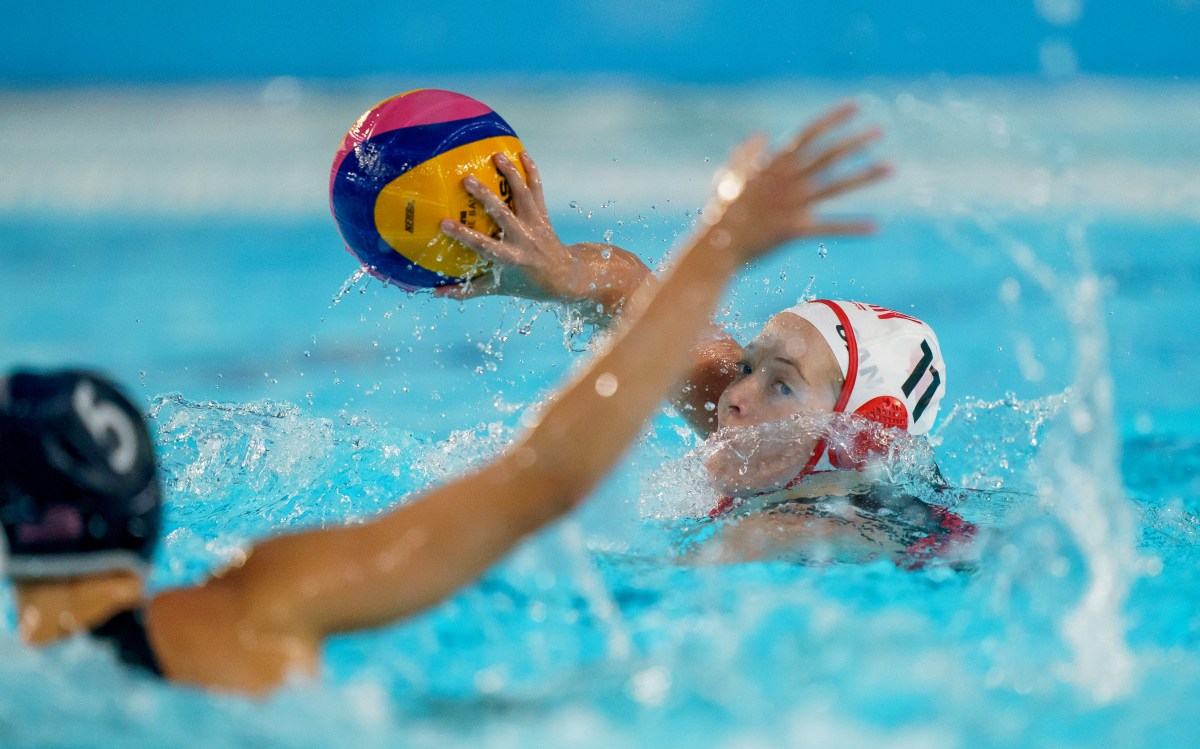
(58, 523)
(424, 106)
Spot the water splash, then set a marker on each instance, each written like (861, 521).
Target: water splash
(234, 472)
(765, 457)
(993, 444)
(1080, 482)
(349, 285)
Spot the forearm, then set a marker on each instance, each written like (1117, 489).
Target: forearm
(333, 580)
(583, 432)
(355, 576)
(323, 581)
(616, 275)
(605, 278)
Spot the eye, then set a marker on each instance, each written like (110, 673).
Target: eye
(742, 368)
(783, 388)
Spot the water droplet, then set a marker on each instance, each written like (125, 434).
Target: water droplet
(606, 384)
(822, 250)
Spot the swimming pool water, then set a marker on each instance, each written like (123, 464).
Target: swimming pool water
(206, 278)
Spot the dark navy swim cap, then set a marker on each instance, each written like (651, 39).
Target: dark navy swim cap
(79, 490)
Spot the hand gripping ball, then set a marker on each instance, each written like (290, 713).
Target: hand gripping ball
(399, 172)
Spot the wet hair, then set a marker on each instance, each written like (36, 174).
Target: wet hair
(79, 489)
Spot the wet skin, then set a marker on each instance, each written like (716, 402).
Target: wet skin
(786, 371)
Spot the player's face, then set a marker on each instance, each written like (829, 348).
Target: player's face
(786, 372)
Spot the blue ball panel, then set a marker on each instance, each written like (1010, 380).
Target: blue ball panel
(375, 163)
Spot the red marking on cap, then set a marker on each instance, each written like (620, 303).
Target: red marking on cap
(847, 385)
(887, 410)
(867, 443)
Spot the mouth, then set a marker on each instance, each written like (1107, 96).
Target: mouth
(762, 457)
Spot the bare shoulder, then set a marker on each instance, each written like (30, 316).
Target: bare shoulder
(208, 637)
(818, 532)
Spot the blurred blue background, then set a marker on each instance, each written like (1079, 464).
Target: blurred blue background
(50, 43)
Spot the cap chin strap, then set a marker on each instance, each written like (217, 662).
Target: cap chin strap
(821, 448)
(724, 504)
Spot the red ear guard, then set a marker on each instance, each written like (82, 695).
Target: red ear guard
(866, 444)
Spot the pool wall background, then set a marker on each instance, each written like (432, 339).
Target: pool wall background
(696, 41)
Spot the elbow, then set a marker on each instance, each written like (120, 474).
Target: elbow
(613, 275)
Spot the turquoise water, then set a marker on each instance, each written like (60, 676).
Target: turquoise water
(1049, 235)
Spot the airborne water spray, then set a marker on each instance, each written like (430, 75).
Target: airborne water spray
(1080, 483)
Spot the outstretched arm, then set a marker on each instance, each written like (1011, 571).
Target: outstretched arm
(325, 581)
(530, 261)
(293, 590)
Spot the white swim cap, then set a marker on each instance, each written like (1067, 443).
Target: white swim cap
(892, 364)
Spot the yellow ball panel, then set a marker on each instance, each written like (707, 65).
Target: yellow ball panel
(409, 209)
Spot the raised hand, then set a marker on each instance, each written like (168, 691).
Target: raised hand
(760, 200)
(529, 259)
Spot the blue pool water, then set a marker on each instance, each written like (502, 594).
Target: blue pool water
(1048, 233)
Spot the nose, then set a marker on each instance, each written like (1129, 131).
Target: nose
(732, 406)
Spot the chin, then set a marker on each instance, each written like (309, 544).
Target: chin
(729, 476)
(739, 467)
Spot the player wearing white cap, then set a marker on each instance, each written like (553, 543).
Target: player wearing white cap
(821, 358)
